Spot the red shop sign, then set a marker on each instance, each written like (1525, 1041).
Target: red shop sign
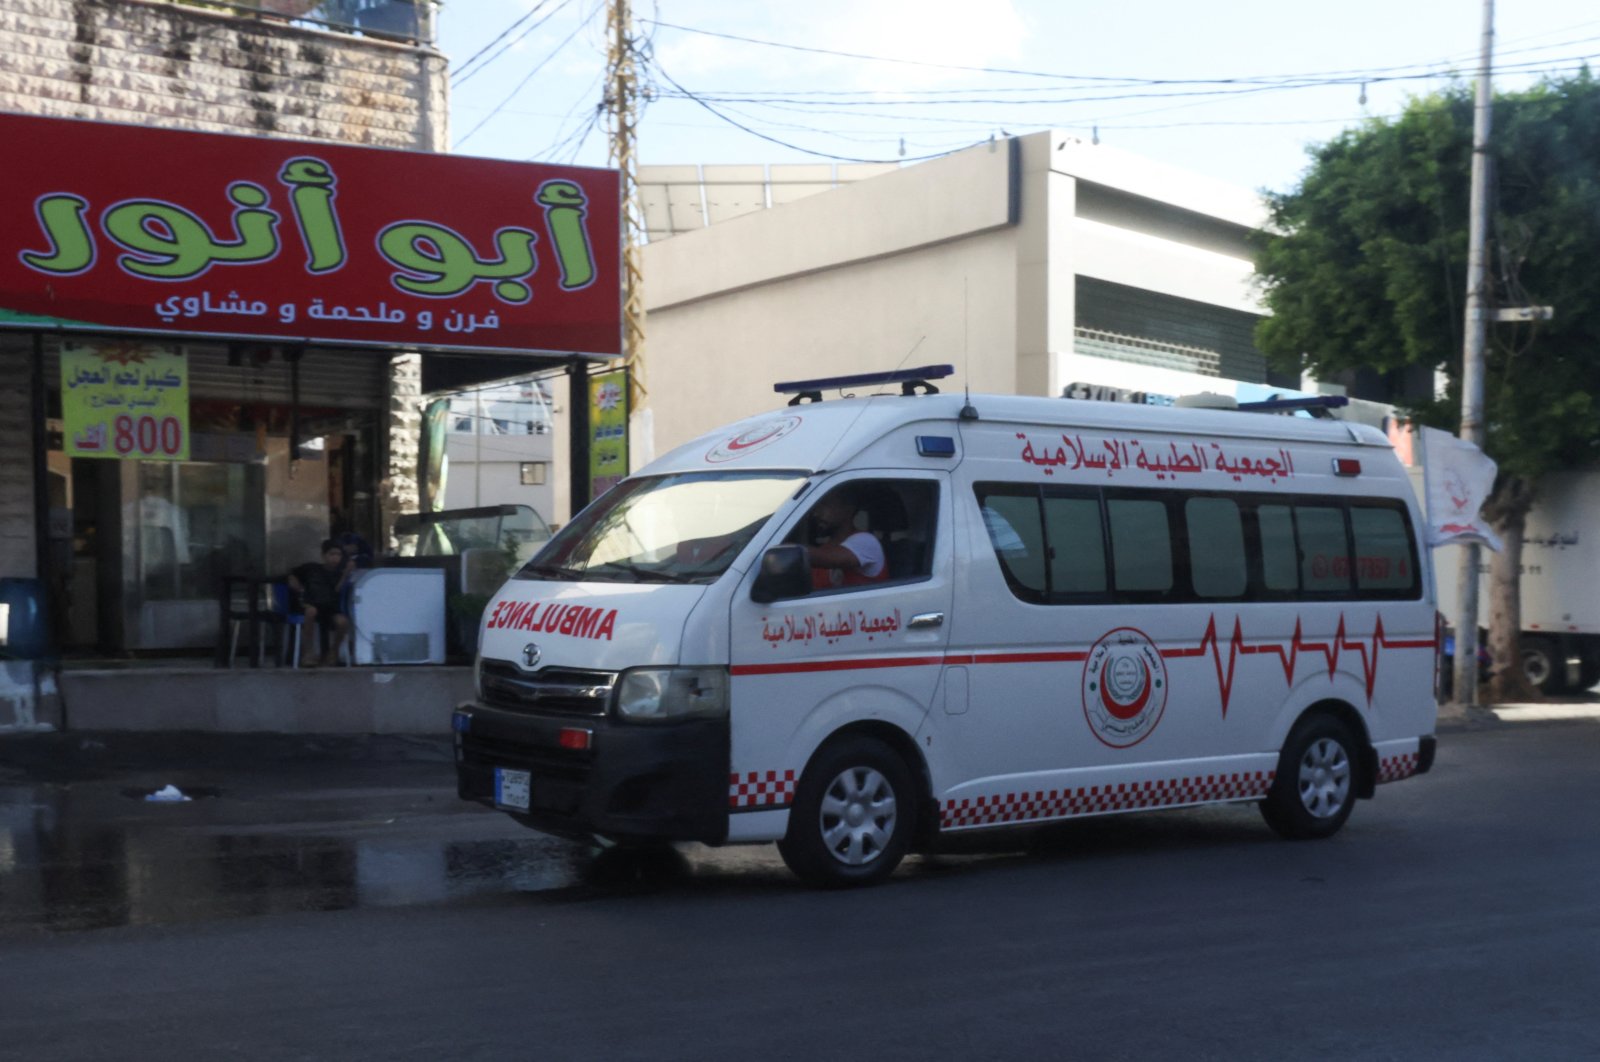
(122, 228)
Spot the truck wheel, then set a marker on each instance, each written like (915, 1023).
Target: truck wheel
(1315, 787)
(853, 816)
(1589, 670)
(1544, 665)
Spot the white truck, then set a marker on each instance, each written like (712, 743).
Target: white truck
(1560, 584)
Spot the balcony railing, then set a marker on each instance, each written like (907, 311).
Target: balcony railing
(1153, 352)
(409, 21)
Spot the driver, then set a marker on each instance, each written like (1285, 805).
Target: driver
(841, 555)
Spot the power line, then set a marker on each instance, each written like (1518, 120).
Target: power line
(1351, 76)
(526, 15)
(540, 65)
(783, 143)
(518, 39)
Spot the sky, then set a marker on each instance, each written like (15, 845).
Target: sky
(931, 76)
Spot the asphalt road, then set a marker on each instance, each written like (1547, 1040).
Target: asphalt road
(1455, 917)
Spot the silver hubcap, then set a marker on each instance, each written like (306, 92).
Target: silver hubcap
(1324, 778)
(858, 816)
(1536, 666)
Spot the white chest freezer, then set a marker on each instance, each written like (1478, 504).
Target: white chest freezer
(398, 615)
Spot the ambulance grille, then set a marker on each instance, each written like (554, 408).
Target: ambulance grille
(550, 691)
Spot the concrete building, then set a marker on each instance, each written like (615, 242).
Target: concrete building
(1041, 265)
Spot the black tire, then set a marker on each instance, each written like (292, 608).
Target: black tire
(1318, 777)
(853, 817)
(1544, 664)
(1589, 670)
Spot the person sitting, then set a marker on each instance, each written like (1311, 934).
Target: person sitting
(840, 554)
(318, 587)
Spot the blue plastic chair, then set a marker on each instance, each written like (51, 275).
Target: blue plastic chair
(294, 623)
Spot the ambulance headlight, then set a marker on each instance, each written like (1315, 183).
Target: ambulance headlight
(668, 694)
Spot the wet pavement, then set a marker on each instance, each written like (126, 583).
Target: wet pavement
(81, 847)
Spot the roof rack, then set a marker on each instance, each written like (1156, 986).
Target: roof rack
(911, 381)
(1317, 405)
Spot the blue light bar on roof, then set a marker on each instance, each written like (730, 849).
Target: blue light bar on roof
(828, 383)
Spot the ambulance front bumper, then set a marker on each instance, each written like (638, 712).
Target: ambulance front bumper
(595, 776)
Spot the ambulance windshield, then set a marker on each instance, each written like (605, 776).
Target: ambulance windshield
(684, 528)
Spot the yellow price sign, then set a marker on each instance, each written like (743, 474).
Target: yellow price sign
(125, 400)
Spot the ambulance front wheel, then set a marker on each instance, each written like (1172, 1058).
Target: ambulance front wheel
(1315, 787)
(853, 815)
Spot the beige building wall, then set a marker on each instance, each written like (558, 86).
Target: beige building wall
(971, 259)
(914, 267)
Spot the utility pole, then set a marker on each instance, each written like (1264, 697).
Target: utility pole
(1472, 361)
(622, 105)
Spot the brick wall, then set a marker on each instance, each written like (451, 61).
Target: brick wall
(153, 63)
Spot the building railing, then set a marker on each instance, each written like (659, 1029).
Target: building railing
(408, 21)
(1152, 352)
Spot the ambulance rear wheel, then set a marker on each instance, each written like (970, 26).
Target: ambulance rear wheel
(1315, 787)
(853, 815)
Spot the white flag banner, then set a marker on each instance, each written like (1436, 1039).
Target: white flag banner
(1459, 477)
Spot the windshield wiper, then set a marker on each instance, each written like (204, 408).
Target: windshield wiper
(646, 574)
(553, 571)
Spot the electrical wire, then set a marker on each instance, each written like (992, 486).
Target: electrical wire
(783, 143)
(461, 67)
(518, 39)
(1350, 76)
(540, 65)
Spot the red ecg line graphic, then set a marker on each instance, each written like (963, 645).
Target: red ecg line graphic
(1329, 651)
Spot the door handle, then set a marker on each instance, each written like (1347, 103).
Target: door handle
(925, 621)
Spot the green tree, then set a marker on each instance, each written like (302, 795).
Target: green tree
(1364, 267)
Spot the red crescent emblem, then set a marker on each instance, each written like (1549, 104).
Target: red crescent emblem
(1130, 710)
(735, 444)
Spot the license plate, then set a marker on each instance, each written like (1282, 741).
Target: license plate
(511, 788)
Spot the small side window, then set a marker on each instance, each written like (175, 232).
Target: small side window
(1324, 549)
(1141, 545)
(1017, 535)
(1077, 545)
(1383, 549)
(1216, 547)
(1280, 564)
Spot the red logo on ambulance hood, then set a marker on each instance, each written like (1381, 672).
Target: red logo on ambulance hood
(763, 434)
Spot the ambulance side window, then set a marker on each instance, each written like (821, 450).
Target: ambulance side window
(1384, 558)
(1324, 549)
(1017, 534)
(1215, 530)
(1077, 545)
(1141, 546)
(1280, 565)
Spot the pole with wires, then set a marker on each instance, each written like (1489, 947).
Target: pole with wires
(1472, 361)
(622, 108)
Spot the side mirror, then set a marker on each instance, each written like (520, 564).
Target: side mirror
(784, 573)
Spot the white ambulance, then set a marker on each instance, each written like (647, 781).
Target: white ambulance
(852, 626)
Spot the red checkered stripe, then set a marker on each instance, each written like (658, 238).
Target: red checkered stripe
(1097, 799)
(1394, 768)
(761, 789)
